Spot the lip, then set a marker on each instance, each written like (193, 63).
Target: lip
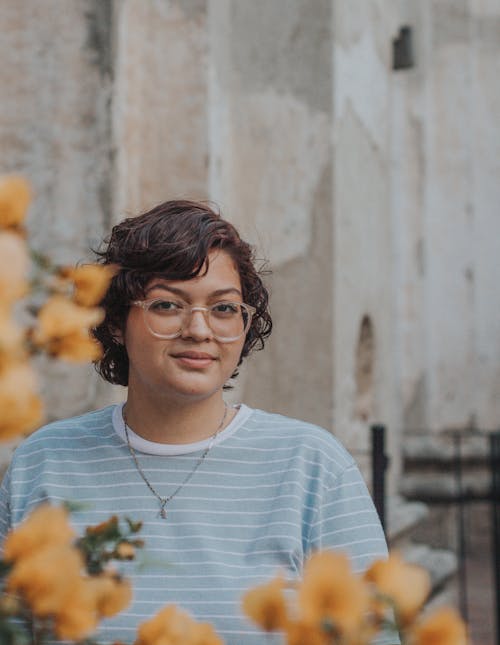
(194, 355)
(196, 360)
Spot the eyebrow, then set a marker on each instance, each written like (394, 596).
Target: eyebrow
(179, 292)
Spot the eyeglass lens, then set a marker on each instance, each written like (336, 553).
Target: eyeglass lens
(226, 320)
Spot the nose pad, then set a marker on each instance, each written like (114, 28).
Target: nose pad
(197, 326)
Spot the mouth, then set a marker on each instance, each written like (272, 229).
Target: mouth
(197, 360)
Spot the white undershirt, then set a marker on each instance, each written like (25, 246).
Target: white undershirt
(164, 449)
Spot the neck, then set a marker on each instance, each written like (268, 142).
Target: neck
(176, 424)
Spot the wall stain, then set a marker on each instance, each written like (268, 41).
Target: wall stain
(99, 15)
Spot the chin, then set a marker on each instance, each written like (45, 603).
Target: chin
(193, 391)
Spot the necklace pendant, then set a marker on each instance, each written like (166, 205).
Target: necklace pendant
(163, 500)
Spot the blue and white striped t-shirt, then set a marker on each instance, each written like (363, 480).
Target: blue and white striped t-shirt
(271, 490)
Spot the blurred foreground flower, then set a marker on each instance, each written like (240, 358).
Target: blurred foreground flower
(171, 626)
(333, 606)
(90, 282)
(63, 323)
(21, 406)
(45, 526)
(331, 592)
(14, 267)
(266, 605)
(442, 627)
(47, 574)
(12, 341)
(15, 197)
(62, 330)
(405, 584)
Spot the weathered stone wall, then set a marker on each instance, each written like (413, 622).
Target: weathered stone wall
(271, 93)
(446, 196)
(160, 103)
(55, 128)
(373, 192)
(362, 259)
(445, 189)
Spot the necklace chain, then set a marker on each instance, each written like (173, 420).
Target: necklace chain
(164, 500)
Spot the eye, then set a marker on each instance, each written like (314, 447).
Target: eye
(164, 307)
(226, 309)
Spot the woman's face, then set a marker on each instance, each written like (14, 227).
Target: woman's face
(194, 365)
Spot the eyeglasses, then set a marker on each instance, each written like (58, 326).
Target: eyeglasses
(166, 319)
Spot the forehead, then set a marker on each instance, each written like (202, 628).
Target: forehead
(219, 274)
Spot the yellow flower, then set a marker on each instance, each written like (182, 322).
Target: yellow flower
(21, 419)
(22, 409)
(204, 634)
(111, 594)
(266, 605)
(91, 282)
(74, 623)
(443, 627)
(170, 626)
(62, 329)
(76, 617)
(48, 574)
(46, 578)
(12, 336)
(406, 584)
(14, 266)
(60, 317)
(331, 592)
(46, 526)
(125, 550)
(303, 633)
(15, 197)
(91, 598)
(78, 347)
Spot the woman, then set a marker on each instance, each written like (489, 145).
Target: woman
(228, 495)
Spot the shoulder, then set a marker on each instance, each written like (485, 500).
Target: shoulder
(277, 427)
(81, 429)
(314, 445)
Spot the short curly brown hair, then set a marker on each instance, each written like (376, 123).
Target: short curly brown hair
(171, 241)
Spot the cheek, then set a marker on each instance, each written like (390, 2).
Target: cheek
(135, 331)
(233, 357)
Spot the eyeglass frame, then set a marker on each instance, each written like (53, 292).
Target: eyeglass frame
(146, 304)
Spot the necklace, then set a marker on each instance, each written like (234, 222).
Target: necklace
(164, 500)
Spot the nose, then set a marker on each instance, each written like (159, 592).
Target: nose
(196, 326)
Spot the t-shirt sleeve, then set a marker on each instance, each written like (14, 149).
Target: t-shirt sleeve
(346, 520)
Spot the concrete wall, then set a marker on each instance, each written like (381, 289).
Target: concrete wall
(271, 171)
(446, 196)
(55, 128)
(373, 192)
(362, 257)
(160, 103)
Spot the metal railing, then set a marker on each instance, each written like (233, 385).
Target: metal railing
(380, 462)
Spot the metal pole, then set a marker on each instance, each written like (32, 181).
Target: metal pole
(495, 507)
(462, 547)
(379, 465)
